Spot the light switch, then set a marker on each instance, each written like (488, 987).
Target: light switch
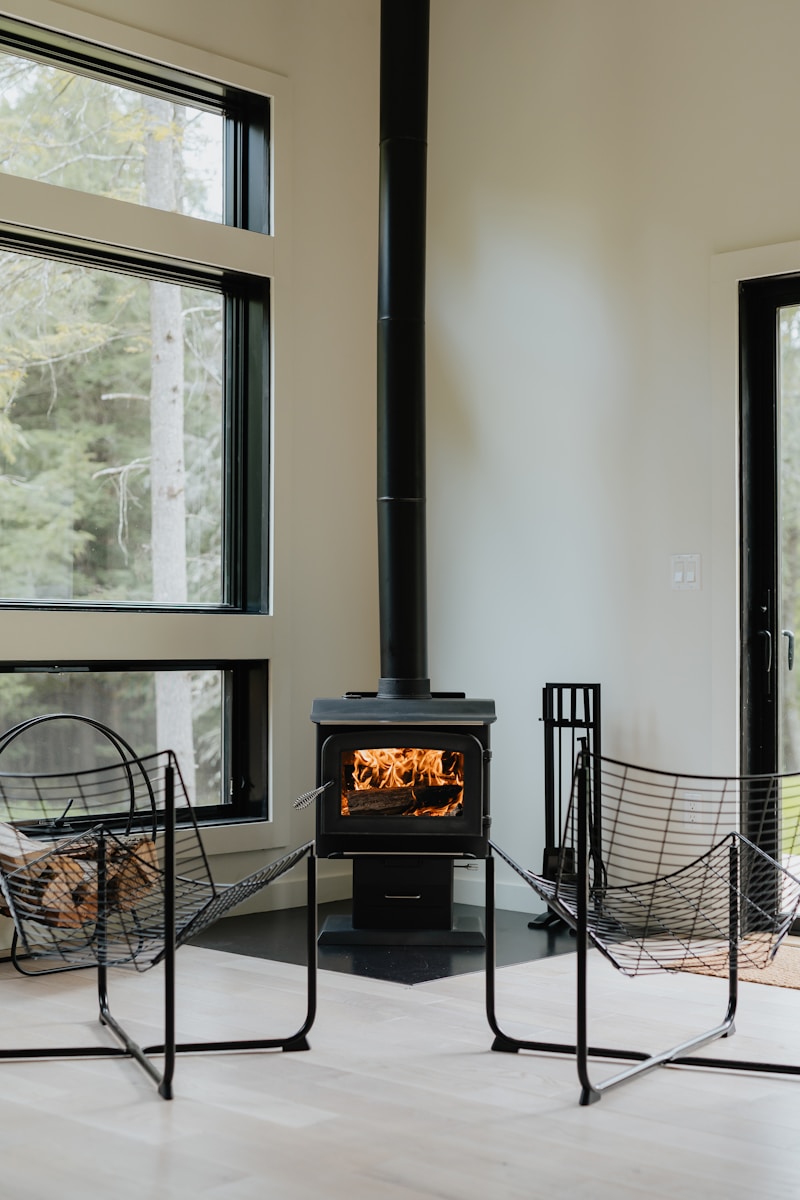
(685, 571)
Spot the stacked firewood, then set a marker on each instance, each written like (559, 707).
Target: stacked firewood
(57, 883)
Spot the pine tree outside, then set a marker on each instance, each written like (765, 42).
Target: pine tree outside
(111, 404)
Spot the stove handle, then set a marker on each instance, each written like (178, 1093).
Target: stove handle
(309, 797)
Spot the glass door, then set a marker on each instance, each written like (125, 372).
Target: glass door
(789, 526)
(788, 440)
(770, 549)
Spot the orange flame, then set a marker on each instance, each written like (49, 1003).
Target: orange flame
(407, 767)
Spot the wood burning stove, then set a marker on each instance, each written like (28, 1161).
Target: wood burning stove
(407, 768)
(408, 794)
(408, 776)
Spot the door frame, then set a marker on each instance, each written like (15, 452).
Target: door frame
(759, 302)
(727, 271)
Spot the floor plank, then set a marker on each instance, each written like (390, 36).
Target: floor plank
(400, 1097)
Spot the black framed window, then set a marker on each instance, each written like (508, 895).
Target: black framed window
(226, 773)
(135, 398)
(133, 449)
(78, 115)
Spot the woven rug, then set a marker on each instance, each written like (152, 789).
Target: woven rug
(783, 971)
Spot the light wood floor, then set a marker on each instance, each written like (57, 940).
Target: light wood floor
(399, 1097)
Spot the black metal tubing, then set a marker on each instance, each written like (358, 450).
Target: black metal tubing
(297, 1040)
(555, 718)
(128, 1048)
(165, 1084)
(169, 1048)
(560, 711)
(677, 1056)
(131, 1049)
(402, 565)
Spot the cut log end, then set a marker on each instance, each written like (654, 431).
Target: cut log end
(59, 886)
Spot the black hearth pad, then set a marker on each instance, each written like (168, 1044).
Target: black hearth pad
(281, 936)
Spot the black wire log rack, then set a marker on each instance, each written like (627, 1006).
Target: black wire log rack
(106, 867)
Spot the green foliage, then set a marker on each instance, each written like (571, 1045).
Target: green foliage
(75, 388)
(75, 349)
(83, 133)
(125, 702)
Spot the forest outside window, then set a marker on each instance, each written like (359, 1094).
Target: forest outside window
(87, 133)
(123, 398)
(111, 435)
(134, 389)
(207, 712)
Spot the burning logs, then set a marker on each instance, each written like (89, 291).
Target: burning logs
(58, 884)
(430, 800)
(402, 781)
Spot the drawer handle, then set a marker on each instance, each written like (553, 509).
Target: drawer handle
(388, 897)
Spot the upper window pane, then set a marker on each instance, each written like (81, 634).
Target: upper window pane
(111, 436)
(70, 129)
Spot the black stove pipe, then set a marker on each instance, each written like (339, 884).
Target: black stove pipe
(402, 562)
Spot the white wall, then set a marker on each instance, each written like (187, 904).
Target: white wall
(324, 629)
(587, 159)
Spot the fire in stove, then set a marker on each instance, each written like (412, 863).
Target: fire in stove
(402, 781)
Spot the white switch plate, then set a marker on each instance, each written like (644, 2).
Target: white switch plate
(685, 572)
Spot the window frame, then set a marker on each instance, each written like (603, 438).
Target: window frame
(241, 255)
(244, 758)
(245, 434)
(246, 114)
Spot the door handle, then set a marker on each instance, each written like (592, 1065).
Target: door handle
(767, 636)
(787, 633)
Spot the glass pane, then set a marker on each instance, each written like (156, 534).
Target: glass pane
(69, 129)
(110, 436)
(790, 534)
(789, 523)
(151, 710)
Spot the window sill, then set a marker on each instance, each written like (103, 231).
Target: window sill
(241, 836)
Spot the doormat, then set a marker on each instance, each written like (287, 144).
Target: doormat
(783, 971)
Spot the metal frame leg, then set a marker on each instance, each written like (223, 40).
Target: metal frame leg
(127, 1048)
(680, 1055)
(169, 1048)
(297, 1040)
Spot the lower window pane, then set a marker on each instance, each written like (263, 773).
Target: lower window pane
(152, 710)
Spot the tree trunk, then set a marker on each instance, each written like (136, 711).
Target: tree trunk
(167, 472)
